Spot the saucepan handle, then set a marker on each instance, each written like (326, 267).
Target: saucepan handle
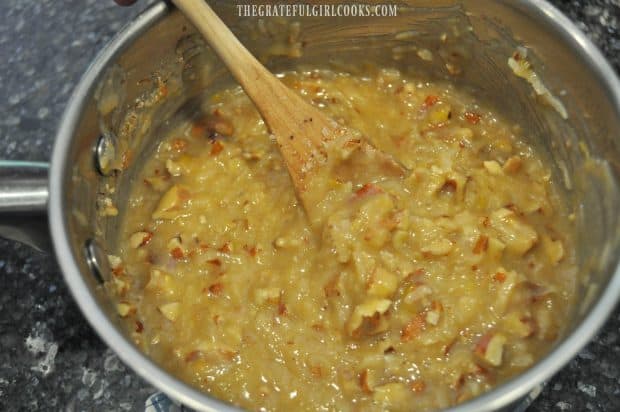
(23, 203)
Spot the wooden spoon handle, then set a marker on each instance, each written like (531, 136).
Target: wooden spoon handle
(266, 91)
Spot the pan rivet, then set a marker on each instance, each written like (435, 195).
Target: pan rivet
(97, 260)
(105, 154)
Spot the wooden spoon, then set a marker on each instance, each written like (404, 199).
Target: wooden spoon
(310, 142)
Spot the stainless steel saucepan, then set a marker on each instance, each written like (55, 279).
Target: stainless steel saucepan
(157, 70)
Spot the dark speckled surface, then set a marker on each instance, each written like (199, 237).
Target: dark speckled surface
(50, 358)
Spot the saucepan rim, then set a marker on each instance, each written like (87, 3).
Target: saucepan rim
(500, 396)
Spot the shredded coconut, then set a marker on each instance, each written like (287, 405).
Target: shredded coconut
(522, 68)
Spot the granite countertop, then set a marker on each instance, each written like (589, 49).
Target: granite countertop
(50, 358)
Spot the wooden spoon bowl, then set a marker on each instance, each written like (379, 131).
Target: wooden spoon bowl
(311, 143)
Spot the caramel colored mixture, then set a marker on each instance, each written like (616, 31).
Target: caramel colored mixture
(415, 293)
